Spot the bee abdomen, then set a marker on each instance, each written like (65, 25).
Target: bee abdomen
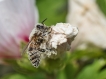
(35, 59)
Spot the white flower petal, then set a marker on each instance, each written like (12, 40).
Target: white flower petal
(90, 21)
(17, 19)
(61, 32)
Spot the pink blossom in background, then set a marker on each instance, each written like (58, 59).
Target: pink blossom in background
(17, 19)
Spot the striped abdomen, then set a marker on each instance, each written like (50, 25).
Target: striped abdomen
(34, 57)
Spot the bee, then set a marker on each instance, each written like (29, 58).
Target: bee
(38, 43)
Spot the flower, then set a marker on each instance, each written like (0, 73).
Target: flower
(91, 23)
(61, 37)
(17, 19)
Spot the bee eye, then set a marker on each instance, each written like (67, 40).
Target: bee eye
(40, 26)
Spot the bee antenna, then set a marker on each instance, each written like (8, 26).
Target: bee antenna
(44, 21)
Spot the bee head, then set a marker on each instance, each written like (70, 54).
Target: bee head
(41, 25)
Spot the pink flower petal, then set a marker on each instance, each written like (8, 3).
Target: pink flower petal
(17, 19)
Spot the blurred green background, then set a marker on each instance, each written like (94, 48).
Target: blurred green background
(54, 11)
(80, 64)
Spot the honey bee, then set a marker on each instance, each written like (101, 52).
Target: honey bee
(38, 43)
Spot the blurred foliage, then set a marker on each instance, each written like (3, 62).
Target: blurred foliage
(54, 10)
(80, 64)
(102, 5)
(93, 71)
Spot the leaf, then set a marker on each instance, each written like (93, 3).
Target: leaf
(38, 75)
(101, 75)
(14, 76)
(102, 5)
(61, 75)
(91, 71)
(70, 71)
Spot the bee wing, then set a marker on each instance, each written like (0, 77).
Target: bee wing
(23, 51)
(34, 54)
